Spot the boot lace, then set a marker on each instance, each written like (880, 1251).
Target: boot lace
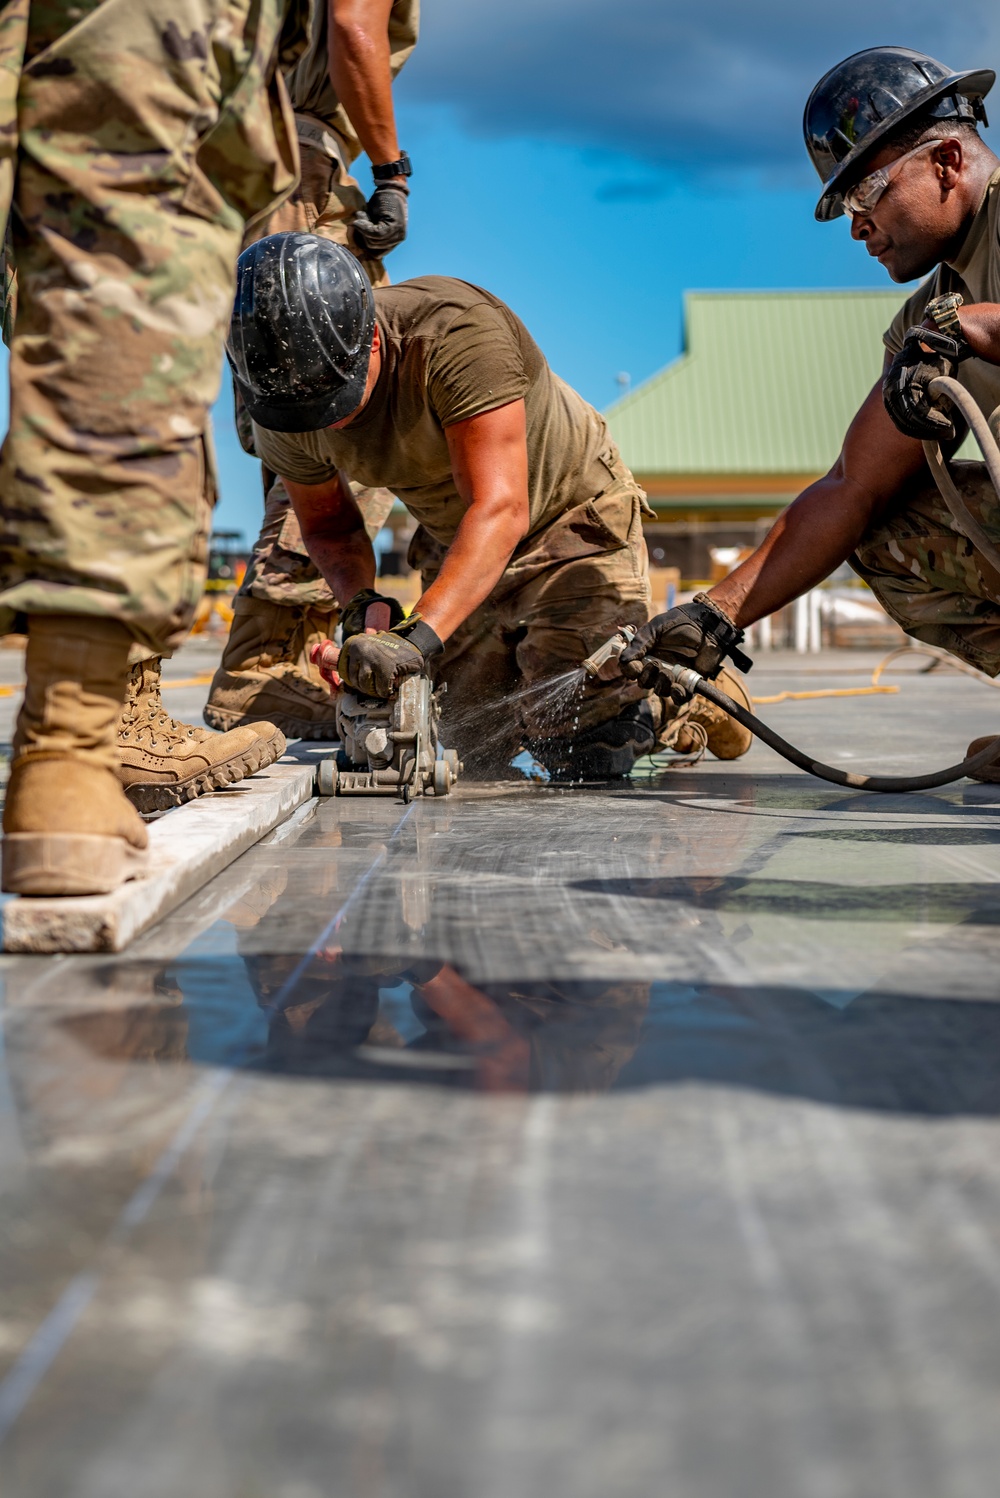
(148, 722)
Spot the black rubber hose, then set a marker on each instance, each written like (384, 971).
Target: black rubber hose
(887, 783)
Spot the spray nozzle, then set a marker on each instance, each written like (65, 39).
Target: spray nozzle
(604, 661)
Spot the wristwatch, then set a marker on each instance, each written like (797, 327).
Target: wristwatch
(943, 312)
(390, 169)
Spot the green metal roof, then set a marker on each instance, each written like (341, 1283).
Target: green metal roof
(769, 383)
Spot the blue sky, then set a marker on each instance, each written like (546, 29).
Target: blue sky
(591, 162)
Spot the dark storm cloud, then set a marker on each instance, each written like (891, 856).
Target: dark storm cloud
(696, 85)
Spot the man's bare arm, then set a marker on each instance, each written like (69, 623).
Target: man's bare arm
(981, 325)
(360, 73)
(489, 461)
(333, 530)
(825, 524)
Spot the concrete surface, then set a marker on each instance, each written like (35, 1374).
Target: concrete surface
(532, 1142)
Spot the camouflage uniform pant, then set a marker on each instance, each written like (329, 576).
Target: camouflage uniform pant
(325, 202)
(565, 591)
(933, 581)
(136, 140)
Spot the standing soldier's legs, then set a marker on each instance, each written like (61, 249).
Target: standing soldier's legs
(133, 182)
(284, 605)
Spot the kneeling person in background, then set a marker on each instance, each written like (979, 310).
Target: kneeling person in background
(530, 542)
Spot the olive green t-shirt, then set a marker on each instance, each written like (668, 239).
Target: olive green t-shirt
(976, 274)
(309, 86)
(450, 351)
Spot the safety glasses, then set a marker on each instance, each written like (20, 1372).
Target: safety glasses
(863, 196)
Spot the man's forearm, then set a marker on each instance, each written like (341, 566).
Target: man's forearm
(333, 533)
(472, 567)
(360, 70)
(981, 326)
(813, 536)
(346, 561)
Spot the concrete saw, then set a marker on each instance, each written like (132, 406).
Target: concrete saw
(390, 747)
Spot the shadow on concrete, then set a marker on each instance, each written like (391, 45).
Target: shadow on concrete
(800, 792)
(899, 837)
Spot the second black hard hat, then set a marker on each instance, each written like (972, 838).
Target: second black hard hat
(301, 333)
(858, 104)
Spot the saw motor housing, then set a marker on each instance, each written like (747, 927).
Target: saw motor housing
(390, 747)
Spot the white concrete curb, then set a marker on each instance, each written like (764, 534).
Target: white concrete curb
(188, 847)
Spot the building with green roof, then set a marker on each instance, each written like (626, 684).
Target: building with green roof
(754, 409)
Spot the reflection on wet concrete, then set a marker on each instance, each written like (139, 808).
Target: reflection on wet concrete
(379, 1020)
(535, 1142)
(536, 1036)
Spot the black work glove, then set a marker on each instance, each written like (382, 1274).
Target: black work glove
(352, 620)
(381, 224)
(905, 388)
(375, 664)
(695, 634)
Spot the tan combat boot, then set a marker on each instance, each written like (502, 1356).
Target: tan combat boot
(163, 763)
(68, 829)
(700, 719)
(266, 671)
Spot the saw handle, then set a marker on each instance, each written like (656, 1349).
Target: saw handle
(326, 655)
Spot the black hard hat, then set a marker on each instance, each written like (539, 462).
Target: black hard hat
(301, 335)
(854, 109)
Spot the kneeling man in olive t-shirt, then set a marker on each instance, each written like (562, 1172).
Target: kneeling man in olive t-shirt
(530, 537)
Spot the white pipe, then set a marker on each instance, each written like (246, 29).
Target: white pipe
(815, 630)
(801, 617)
(764, 633)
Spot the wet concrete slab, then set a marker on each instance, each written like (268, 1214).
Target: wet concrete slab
(531, 1141)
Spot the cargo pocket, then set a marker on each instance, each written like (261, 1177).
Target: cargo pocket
(620, 474)
(246, 162)
(601, 525)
